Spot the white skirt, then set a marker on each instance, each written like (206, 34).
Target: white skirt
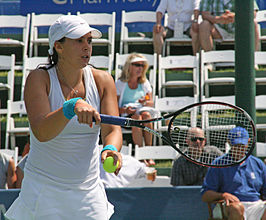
(41, 201)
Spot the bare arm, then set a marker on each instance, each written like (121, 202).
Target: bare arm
(211, 196)
(158, 26)
(11, 174)
(226, 18)
(20, 176)
(111, 134)
(41, 119)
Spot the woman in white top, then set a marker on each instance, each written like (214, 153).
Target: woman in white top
(134, 91)
(61, 177)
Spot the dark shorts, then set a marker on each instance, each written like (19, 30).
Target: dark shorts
(170, 32)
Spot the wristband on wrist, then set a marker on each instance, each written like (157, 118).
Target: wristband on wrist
(109, 147)
(69, 106)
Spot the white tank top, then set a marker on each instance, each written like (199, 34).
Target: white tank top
(71, 158)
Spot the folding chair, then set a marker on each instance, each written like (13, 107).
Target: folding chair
(39, 30)
(167, 105)
(16, 22)
(7, 63)
(102, 62)
(261, 149)
(29, 64)
(131, 18)
(12, 130)
(155, 152)
(103, 20)
(177, 62)
(212, 58)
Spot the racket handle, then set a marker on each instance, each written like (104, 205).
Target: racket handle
(114, 120)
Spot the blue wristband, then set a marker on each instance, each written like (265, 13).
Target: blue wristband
(109, 147)
(69, 106)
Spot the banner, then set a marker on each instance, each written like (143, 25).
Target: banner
(89, 6)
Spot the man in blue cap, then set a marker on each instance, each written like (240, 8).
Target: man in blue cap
(241, 187)
(238, 138)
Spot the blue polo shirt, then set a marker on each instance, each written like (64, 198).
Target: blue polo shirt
(246, 181)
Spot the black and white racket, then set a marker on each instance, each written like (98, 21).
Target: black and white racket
(216, 119)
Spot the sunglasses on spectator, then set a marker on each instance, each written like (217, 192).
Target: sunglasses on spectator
(137, 64)
(194, 139)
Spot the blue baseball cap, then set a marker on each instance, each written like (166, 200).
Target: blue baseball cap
(238, 135)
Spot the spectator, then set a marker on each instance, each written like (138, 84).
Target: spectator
(26, 148)
(242, 187)
(61, 178)
(134, 91)
(181, 11)
(7, 172)
(20, 171)
(219, 22)
(185, 172)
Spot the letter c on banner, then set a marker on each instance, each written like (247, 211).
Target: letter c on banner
(60, 2)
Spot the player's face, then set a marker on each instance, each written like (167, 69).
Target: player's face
(77, 51)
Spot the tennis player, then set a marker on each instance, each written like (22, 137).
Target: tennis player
(62, 172)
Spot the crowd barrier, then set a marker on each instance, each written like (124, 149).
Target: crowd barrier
(166, 203)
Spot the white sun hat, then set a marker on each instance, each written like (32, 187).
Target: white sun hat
(138, 59)
(70, 26)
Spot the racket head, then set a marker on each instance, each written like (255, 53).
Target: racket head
(212, 134)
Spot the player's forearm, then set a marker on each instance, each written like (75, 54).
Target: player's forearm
(111, 134)
(47, 127)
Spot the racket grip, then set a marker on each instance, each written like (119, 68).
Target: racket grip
(114, 120)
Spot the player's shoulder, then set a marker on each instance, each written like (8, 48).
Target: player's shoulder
(101, 75)
(38, 74)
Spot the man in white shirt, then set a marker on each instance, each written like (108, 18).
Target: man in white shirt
(186, 12)
(131, 170)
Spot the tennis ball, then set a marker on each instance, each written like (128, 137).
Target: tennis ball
(108, 165)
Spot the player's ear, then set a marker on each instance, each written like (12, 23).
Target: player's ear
(58, 46)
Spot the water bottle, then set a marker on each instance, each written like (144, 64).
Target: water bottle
(178, 31)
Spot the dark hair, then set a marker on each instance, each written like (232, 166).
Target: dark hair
(52, 59)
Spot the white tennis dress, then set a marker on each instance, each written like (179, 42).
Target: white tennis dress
(61, 179)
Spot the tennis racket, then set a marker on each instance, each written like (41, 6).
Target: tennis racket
(216, 120)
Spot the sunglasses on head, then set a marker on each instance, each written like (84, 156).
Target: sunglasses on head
(137, 64)
(194, 139)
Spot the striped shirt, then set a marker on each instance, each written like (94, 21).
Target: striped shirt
(218, 7)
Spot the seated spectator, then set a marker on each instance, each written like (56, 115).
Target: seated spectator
(134, 91)
(219, 22)
(242, 187)
(7, 172)
(26, 148)
(181, 11)
(20, 171)
(185, 172)
(131, 170)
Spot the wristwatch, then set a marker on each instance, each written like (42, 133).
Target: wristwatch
(195, 21)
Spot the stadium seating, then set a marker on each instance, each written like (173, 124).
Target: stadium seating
(22, 23)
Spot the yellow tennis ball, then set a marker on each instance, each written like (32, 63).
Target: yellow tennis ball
(108, 165)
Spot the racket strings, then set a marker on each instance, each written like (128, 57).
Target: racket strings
(216, 121)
